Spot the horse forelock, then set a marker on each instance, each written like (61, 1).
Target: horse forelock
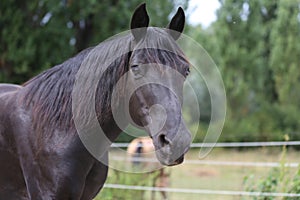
(159, 47)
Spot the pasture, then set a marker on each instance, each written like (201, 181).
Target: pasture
(216, 177)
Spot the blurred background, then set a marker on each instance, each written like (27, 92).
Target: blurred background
(254, 43)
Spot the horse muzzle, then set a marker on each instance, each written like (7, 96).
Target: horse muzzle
(171, 153)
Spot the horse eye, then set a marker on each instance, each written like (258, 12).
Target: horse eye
(135, 69)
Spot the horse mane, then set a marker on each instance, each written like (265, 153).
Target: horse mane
(49, 94)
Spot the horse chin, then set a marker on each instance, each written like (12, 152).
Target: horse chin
(168, 161)
(177, 162)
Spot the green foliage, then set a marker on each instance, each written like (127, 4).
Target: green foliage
(267, 185)
(140, 179)
(28, 43)
(241, 30)
(256, 46)
(279, 180)
(295, 187)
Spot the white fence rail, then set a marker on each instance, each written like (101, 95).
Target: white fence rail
(222, 163)
(211, 162)
(230, 144)
(200, 191)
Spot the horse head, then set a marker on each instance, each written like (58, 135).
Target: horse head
(157, 71)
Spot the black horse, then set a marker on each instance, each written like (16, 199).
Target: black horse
(42, 155)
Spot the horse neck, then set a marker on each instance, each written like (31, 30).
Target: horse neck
(112, 123)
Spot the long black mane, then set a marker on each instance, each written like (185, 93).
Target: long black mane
(49, 94)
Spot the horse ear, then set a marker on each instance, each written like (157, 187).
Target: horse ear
(139, 22)
(176, 25)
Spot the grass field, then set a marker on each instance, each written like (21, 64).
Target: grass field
(214, 177)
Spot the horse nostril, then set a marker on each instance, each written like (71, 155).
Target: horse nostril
(163, 140)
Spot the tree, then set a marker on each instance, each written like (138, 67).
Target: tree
(285, 62)
(259, 53)
(30, 40)
(243, 31)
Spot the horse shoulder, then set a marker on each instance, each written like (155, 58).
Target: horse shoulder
(12, 185)
(7, 109)
(8, 94)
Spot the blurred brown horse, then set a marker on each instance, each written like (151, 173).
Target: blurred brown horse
(139, 149)
(141, 152)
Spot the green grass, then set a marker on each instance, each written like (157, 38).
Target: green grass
(217, 177)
